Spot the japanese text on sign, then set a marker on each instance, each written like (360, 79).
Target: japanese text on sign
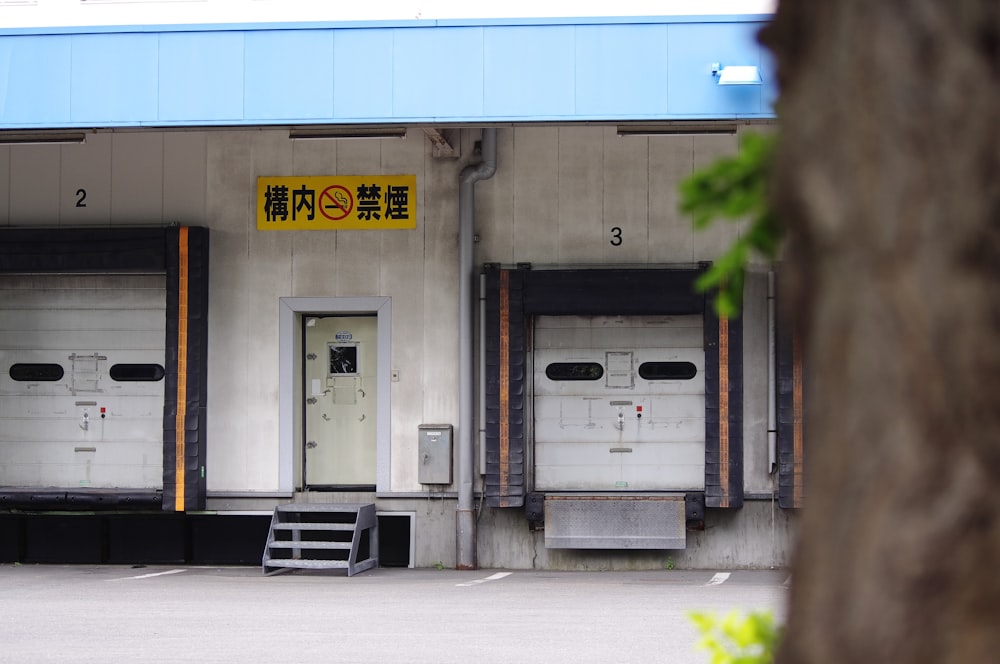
(345, 202)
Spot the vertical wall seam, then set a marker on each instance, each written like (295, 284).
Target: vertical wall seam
(691, 172)
(59, 184)
(10, 175)
(72, 81)
(649, 198)
(243, 60)
(159, 74)
(558, 169)
(163, 176)
(482, 70)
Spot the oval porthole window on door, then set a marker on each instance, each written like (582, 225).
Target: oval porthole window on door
(35, 372)
(667, 370)
(136, 372)
(574, 371)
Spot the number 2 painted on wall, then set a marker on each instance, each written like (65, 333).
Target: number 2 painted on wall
(616, 236)
(81, 198)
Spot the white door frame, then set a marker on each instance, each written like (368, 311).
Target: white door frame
(290, 313)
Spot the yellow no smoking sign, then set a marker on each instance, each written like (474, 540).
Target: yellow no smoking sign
(342, 202)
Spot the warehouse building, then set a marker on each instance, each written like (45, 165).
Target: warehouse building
(423, 275)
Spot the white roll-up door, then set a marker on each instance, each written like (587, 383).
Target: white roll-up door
(81, 381)
(619, 403)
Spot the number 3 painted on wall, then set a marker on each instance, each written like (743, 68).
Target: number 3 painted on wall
(616, 236)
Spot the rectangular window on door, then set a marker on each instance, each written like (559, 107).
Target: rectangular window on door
(343, 359)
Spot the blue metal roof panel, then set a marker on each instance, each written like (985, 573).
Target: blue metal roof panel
(621, 70)
(201, 77)
(109, 88)
(288, 74)
(35, 80)
(529, 72)
(436, 72)
(691, 51)
(363, 74)
(463, 74)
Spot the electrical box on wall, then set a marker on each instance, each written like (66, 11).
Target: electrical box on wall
(434, 448)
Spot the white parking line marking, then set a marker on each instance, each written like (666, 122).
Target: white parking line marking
(492, 577)
(151, 575)
(720, 577)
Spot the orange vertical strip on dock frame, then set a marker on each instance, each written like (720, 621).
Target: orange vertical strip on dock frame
(504, 386)
(182, 343)
(724, 410)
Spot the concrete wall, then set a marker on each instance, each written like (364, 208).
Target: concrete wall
(562, 195)
(759, 536)
(559, 191)
(252, 269)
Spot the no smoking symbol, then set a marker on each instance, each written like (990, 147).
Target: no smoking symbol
(336, 202)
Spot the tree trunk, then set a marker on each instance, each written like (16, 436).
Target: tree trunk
(888, 176)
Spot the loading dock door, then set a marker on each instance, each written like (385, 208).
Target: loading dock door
(619, 403)
(82, 381)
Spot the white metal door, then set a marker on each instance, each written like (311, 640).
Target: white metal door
(340, 391)
(81, 381)
(619, 403)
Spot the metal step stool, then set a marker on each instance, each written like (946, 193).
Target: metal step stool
(322, 536)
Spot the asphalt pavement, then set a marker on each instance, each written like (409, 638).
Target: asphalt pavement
(112, 614)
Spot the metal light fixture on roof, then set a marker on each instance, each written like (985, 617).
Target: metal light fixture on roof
(42, 138)
(708, 128)
(335, 132)
(737, 74)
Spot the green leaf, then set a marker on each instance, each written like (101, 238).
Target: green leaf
(734, 189)
(736, 639)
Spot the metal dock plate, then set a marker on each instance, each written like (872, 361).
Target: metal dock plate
(615, 521)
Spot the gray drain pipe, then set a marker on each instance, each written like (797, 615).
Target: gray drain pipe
(465, 536)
